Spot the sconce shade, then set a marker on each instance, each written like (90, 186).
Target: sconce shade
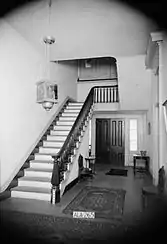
(47, 105)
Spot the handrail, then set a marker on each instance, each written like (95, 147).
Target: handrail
(69, 144)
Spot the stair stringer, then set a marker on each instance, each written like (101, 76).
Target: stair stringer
(83, 148)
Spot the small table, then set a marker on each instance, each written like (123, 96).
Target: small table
(91, 161)
(146, 160)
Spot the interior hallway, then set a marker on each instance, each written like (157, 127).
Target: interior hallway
(133, 217)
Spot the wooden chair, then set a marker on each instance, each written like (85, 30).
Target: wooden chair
(151, 193)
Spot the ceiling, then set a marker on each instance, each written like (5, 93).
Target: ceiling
(84, 28)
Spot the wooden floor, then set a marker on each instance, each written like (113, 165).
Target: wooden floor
(132, 206)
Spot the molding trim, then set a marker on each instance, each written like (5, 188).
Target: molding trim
(157, 36)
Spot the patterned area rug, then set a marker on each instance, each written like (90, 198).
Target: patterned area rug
(106, 203)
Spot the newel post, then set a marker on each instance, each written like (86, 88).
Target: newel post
(55, 181)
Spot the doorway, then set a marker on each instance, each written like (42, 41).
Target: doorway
(110, 141)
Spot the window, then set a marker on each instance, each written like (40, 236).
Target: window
(133, 134)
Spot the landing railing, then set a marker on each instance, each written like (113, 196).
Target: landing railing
(106, 94)
(96, 94)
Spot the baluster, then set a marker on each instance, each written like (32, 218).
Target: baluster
(117, 95)
(97, 95)
(103, 99)
(105, 95)
(110, 95)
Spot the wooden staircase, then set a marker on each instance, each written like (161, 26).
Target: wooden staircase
(35, 183)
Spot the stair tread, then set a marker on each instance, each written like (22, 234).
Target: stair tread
(35, 178)
(46, 154)
(57, 147)
(31, 189)
(55, 140)
(40, 170)
(41, 161)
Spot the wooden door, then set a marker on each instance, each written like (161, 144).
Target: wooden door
(110, 142)
(102, 140)
(117, 142)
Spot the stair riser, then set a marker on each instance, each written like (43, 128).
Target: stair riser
(43, 157)
(39, 184)
(62, 119)
(73, 115)
(64, 128)
(75, 104)
(52, 144)
(74, 107)
(56, 138)
(38, 174)
(31, 195)
(57, 133)
(41, 166)
(52, 151)
(69, 123)
(72, 111)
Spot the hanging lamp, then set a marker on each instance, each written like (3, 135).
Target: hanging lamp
(46, 89)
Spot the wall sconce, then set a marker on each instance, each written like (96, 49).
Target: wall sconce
(47, 94)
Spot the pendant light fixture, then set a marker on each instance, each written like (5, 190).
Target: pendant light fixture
(46, 89)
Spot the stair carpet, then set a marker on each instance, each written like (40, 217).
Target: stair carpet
(36, 181)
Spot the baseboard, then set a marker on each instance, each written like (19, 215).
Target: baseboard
(71, 184)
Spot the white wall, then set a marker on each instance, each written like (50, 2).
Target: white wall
(84, 87)
(134, 83)
(22, 119)
(153, 115)
(142, 131)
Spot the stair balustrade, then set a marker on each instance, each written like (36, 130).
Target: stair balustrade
(97, 94)
(106, 94)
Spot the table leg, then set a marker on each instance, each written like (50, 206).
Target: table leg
(134, 165)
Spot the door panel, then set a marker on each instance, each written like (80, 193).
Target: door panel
(117, 147)
(102, 140)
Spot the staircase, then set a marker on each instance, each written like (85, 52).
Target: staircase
(36, 181)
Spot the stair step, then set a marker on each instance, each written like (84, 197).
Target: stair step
(56, 138)
(67, 118)
(66, 114)
(52, 144)
(76, 104)
(31, 193)
(62, 127)
(44, 157)
(37, 164)
(42, 172)
(59, 132)
(49, 150)
(72, 111)
(42, 182)
(78, 107)
(70, 123)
